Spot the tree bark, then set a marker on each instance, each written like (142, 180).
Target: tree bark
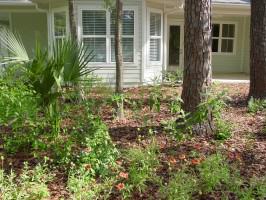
(258, 49)
(72, 20)
(197, 53)
(119, 55)
(118, 46)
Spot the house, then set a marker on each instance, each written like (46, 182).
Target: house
(153, 33)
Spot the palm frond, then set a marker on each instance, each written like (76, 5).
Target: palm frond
(13, 43)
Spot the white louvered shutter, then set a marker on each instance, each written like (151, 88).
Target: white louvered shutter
(94, 33)
(127, 38)
(155, 36)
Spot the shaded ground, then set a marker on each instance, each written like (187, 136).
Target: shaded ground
(247, 145)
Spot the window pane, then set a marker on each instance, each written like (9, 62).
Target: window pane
(98, 48)
(94, 22)
(215, 45)
(229, 30)
(155, 24)
(155, 49)
(215, 30)
(128, 49)
(128, 22)
(60, 24)
(227, 46)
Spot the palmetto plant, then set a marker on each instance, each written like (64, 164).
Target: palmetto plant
(47, 73)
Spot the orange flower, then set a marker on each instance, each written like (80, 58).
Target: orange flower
(197, 146)
(120, 186)
(123, 175)
(182, 157)
(87, 167)
(172, 160)
(195, 161)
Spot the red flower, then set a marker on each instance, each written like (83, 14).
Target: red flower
(123, 175)
(197, 147)
(195, 161)
(172, 160)
(120, 186)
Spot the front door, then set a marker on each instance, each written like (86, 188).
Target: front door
(175, 48)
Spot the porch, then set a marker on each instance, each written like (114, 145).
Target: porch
(231, 78)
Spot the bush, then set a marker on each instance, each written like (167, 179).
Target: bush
(214, 172)
(31, 184)
(180, 187)
(143, 164)
(256, 105)
(18, 104)
(99, 150)
(83, 186)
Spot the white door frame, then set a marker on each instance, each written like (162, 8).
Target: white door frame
(181, 24)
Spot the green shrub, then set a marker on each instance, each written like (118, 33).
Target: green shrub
(18, 104)
(143, 163)
(173, 77)
(181, 186)
(214, 172)
(31, 184)
(99, 150)
(255, 105)
(83, 186)
(155, 98)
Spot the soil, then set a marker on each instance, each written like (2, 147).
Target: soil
(246, 147)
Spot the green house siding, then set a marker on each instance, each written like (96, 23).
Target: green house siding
(236, 62)
(31, 27)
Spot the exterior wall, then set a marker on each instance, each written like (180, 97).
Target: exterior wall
(31, 27)
(132, 71)
(223, 63)
(239, 61)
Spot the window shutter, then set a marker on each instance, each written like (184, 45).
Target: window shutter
(155, 36)
(94, 22)
(127, 38)
(94, 33)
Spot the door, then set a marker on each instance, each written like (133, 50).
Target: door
(175, 59)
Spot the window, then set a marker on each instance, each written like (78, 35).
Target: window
(95, 33)
(98, 34)
(223, 38)
(60, 26)
(155, 37)
(127, 38)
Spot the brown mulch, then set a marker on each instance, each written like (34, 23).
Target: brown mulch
(246, 147)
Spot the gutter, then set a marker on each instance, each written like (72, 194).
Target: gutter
(13, 3)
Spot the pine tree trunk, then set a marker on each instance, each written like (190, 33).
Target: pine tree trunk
(258, 49)
(119, 55)
(197, 58)
(72, 20)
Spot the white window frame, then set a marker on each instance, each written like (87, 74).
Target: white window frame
(58, 10)
(108, 36)
(220, 38)
(157, 11)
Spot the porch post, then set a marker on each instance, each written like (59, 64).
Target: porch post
(165, 36)
(144, 41)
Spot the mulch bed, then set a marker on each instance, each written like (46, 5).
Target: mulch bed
(247, 146)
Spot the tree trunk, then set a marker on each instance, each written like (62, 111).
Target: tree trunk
(258, 49)
(72, 20)
(197, 58)
(119, 55)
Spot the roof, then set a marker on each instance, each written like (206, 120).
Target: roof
(234, 2)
